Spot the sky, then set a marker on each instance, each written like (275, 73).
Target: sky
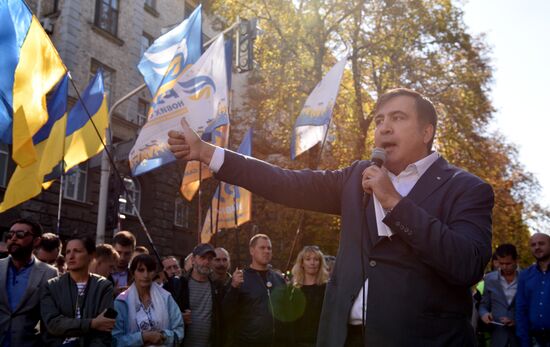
(518, 32)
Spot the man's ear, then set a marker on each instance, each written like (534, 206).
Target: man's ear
(429, 131)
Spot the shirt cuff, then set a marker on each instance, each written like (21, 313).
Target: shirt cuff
(217, 160)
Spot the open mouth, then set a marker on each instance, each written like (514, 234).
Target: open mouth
(388, 146)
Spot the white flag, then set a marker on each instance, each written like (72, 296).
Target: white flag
(312, 123)
(199, 95)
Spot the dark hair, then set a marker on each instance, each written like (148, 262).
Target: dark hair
(36, 228)
(145, 259)
(424, 107)
(105, 250)
(255, 239)
(88, 243)
(49, 242)
(505, 250)
(125, 239)
(141, 250)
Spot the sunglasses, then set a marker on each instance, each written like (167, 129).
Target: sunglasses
(20, 234)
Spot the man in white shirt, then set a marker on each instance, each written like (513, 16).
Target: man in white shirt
(419, 228)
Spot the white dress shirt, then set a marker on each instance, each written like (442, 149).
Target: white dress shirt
(403, 183)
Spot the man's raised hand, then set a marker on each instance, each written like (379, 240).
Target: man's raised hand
(185, 143)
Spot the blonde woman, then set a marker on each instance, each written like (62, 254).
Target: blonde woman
(309, 276)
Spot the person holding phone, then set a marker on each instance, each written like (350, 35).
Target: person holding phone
(147, 314)
(74, 306)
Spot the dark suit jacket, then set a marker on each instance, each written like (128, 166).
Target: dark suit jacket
(494, 302)
(26, 315)
(419, 279)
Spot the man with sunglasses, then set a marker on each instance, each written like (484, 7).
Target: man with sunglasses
(21, 278)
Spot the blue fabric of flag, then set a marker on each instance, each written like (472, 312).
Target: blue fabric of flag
(156, 60)
(16, 20)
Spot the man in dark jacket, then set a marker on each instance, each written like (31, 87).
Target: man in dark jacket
(21, 277)
(197, 297)
(248, 302)
(415, 233)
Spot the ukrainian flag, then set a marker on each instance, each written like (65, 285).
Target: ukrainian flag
(26, 182)
(82, 140)
(29, 68)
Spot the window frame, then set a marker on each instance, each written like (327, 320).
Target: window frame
(179, 202)
(122, 207)
(112, 12)
(4, 150)
(81, 170)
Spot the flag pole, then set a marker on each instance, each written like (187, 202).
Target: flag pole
(199, 210)
(302, 213)
(121, 181)
(217, 212)
(59, 203)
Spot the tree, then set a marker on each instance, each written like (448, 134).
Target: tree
(420, 44)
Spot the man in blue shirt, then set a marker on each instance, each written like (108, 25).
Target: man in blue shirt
(533, 295)
(21, 277)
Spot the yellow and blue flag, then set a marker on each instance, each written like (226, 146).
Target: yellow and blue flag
(82, 141)
(235, 203)
(26, 182)
(312, 124)
(169, 56)
(30, 67)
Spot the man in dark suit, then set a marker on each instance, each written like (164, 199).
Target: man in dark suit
(21, 278)
(421, 235)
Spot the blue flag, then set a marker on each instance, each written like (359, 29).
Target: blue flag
(159, 64)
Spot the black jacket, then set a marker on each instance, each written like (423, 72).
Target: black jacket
(250, 307)
(179, 288)
(419, 280)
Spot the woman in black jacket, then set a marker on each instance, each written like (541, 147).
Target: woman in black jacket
(73, 305)
(309, 279)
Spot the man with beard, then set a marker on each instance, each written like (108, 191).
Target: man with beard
(249, 298)
(220, 267)
(22, 277)
(197, 297)
(533, 295)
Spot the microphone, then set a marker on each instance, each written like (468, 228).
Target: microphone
(378, 157)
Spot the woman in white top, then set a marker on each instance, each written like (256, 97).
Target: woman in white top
(147, 314)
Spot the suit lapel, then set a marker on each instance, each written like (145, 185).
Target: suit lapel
(34, 283)
(3, 282)
(436, 175)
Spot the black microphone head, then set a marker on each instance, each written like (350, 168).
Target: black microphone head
(378, 156)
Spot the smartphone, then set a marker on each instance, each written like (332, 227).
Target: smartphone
(110, 313)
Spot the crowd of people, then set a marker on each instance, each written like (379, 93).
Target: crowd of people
(513, 305)
(119, 295)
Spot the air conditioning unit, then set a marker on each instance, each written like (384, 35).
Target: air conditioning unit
(47, 24)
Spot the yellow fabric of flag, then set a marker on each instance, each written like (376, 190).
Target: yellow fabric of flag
(39, 69)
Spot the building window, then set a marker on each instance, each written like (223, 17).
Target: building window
(4, 161)
(141, 117)
(134, 190)
(146, 41)
(106, 15)
(75, 183)
(181, 213)
(108, 78)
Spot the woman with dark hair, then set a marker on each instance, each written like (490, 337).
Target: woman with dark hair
(147, 314)
(73, 305)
